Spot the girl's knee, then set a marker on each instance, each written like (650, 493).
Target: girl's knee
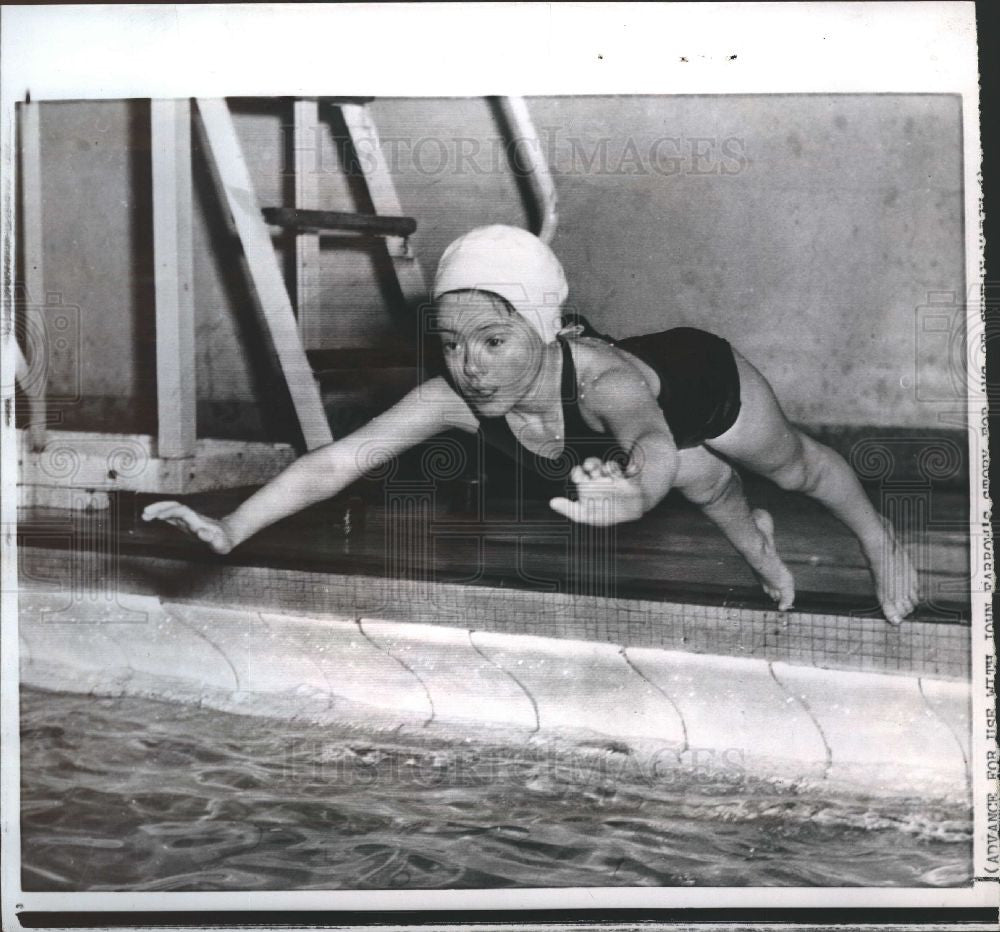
(712, 487)
(802, 472)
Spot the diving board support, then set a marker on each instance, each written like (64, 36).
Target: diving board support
(170, 122)
(33, 383)
(368, 147)
(305, 144)
(233, 180)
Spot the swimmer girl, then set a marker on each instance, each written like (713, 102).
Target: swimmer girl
(679, 406)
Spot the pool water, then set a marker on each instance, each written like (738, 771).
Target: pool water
(133, 794)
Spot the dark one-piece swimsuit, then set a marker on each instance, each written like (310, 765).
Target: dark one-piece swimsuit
(699, 396)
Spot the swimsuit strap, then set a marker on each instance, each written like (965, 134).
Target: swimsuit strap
(580, 440)
(574, 426)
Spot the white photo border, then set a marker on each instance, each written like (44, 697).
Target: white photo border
(107, 52)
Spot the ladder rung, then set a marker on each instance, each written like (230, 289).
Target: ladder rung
(319, 220)
(337, 360)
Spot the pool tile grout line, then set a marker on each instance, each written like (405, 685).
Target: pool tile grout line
(205, 638)
(948, 725)
(385, 650)
(333, 695)
(510, 675)
(623, 651)
(805, 705)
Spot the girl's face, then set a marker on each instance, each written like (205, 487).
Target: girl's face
(492, 353)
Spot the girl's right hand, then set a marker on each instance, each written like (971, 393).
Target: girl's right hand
(212, 532)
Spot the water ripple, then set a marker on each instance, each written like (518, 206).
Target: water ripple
(131, 794)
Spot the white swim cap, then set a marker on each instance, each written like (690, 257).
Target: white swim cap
(512, 263)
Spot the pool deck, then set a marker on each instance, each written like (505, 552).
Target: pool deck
(669, 581)
(673, 554)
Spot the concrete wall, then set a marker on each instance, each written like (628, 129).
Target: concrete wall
(809, 230)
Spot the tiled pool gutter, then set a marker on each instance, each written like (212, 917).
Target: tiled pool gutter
(896, 730)
(822, 637)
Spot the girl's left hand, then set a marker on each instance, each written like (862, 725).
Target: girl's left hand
(605, 495)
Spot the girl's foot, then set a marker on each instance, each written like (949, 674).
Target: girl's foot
(774, 576)
(897, 583)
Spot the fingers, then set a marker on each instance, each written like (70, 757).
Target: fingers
(594, 468)
(565, 507)
(598, 512)
(604, 495)
(176, 514)
(159, 510)
(173, 513)
(185, 519)
(576, 511)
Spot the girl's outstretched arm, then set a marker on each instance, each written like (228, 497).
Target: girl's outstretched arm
(429, 409)
(629, 412)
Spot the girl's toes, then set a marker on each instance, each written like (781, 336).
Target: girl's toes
(893, 613)
(783, 597)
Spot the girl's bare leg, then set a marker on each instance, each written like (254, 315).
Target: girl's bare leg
(713, 485)
(764, 441)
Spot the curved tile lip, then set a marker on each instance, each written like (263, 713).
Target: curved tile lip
(785, 716)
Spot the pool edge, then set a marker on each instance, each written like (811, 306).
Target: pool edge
(699, 712)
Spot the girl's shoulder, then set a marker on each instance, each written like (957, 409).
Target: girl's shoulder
(592, 355)
(596, 359)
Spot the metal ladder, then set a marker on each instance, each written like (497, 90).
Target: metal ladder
(249, 222)
(307, 222)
